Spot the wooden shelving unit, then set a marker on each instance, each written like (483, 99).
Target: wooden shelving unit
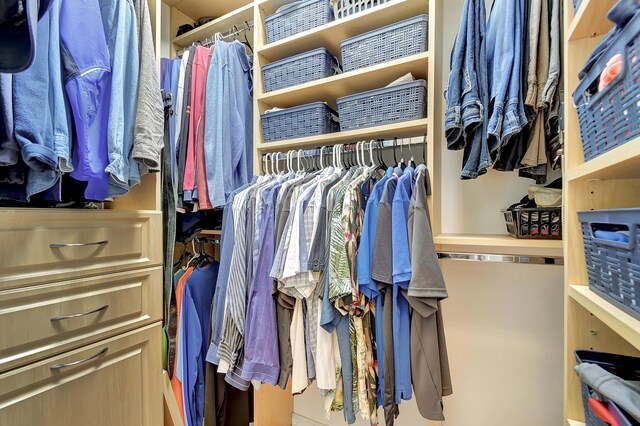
(588, 20)
(622, 162)
(331, 88)
(609, 181)
(403, 129)
(498, 244)
(330, 35)
(620, 322)
(221, 24)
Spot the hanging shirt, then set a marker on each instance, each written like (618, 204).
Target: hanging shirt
(401, 278)
(367, 286)
(429, 360)
(261, 360)
(196, 105)
(194, 330)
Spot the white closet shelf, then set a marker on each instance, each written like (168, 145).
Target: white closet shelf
(196, 9)
(330, 35)
(589, 20)
(575, 422)
(221, 24)
(497, 244)
(622, 162)
(404, 129)
(622, 323)
(331, 88)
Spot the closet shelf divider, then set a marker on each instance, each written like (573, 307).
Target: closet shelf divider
(588, 21)
(620, 322)
(236, 17)
(331, 88)
(330, 35)
(622, 162)
(400, 130)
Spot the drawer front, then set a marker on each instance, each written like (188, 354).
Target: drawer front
(115, 381)
(39, 246)
(43, 320)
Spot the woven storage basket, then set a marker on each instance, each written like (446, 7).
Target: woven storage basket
(613, 267)
(396, 41)
(299, 69)
(404, 102)
(344, 8)
(611, 117)
(625, 367)
(306, 120)
(298, 18)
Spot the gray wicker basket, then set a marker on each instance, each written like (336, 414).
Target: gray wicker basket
(611, 117)
(404, 102)
(299, 69)
(344, 8)
(298, 18)
(613, 267)
(395, 41)
(306, 120)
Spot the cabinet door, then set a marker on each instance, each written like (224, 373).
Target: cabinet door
(41, 246)
(45, 320)
(113, 382)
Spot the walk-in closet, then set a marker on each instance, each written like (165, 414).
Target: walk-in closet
(319, 212)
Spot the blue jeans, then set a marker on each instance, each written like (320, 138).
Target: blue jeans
(466, 94)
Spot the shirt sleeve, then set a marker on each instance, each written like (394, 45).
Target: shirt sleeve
(382, 265)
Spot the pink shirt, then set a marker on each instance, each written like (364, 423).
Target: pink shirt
(198, 84)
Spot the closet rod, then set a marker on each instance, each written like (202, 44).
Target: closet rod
(502, 258)
(209, 41)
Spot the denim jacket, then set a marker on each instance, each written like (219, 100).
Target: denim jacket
(466, 94)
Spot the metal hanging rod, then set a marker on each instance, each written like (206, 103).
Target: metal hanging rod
(501, 258)
(210, 41)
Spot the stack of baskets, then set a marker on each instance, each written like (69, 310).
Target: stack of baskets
(402, 102)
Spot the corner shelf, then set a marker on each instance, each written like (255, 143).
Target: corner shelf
(330, 35)
(400, 130)
(221, 24)
(588, 21)
(622, 162)
(197, 9)
(331, 88)
(575, 423)
(211, 232)
(498, 244)
(620, 322)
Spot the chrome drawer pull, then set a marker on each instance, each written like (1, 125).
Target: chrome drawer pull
(71, 364)
(95, 311)
(97, 243)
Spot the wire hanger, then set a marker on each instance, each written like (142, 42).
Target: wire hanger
(247, 27)
(395, 159)
(412, 162)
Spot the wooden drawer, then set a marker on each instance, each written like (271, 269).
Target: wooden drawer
(38, 246)
(47, 319)
(112, 382)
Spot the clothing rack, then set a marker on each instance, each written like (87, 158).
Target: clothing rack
(210, 41)
(356, 151)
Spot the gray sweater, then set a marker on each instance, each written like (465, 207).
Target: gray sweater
(148, 142)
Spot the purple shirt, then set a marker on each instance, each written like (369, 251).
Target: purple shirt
(261, 356)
